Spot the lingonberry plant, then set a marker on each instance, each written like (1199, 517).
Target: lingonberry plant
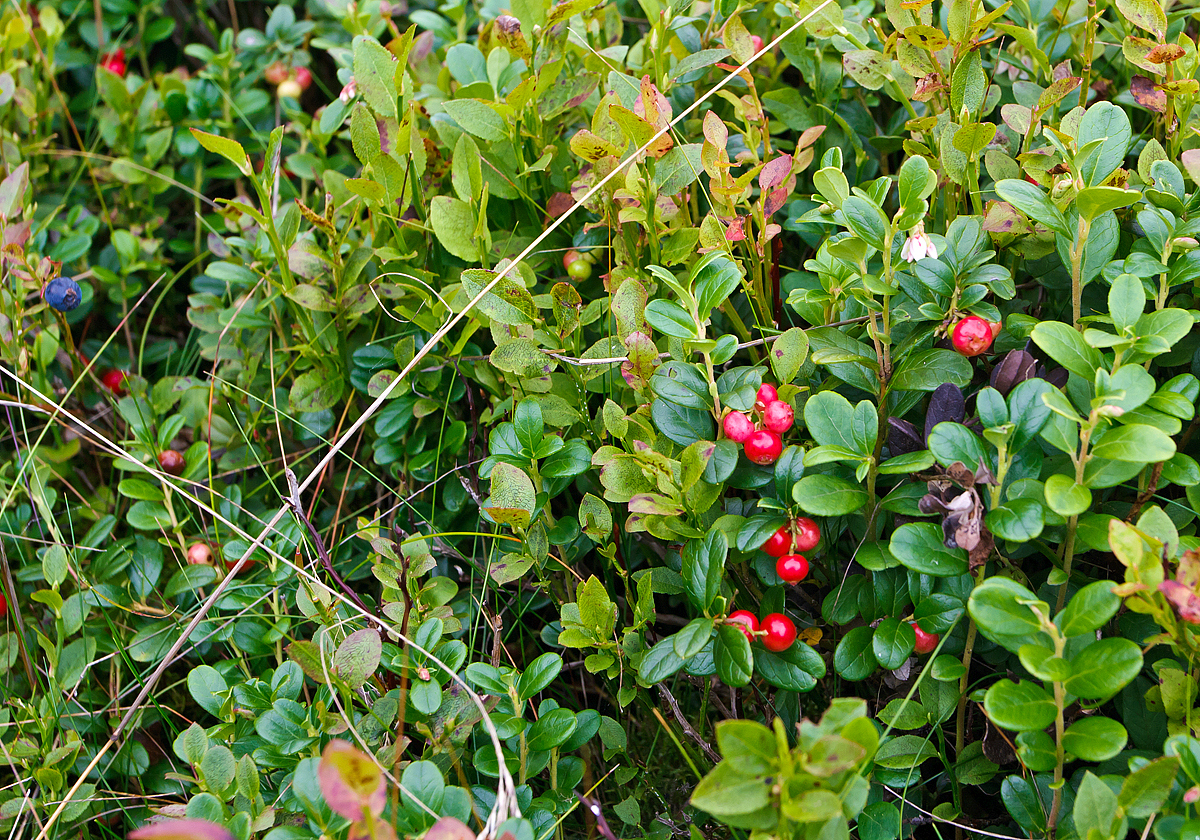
(570, 418)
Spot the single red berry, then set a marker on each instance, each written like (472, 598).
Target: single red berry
(792, 568)
(738, 426)
(778, 417)
(926, 642)
(172, 462)
(276, 73)
(304, 77)
(745, 620)
(114, 61)
(807, 533)
(973, 335)
(756, 43)
(779, 543)
(763, 447)
(3, 606)
(781, 632)
(114, 380)
(569, 257)
(247, 567)
(199, 554)
(767, 394)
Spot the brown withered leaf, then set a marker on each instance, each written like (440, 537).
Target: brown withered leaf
(979, 555)
(954, 496)
(996, 746)
(1147, 94)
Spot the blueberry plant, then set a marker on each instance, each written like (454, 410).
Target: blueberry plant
(561, 418)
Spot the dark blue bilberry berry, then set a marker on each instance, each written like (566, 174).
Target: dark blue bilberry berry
(63, 294)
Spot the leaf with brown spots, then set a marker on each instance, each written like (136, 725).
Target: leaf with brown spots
(1147, 94)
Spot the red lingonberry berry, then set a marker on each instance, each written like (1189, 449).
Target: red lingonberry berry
(304, 77)
(779, 543)
(781, 632)
(3, 606)
(114, 380)
(569, 257)
(792, 568)
(763, 447)
(114, 61)
(230, 562)
(807, 534)
(973, 335)
(766, 394)
(778, 417)
(745, 621)
(199, 554)
(172, 462)
(738, 426)
(276, 72)
(926, 642)
(756, 43)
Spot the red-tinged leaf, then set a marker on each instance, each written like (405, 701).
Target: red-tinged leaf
(558, 204)
(810, 136)
(715, 131)
(1191, 162)
(378, 830)
(775, 202)
(449, 828)
(181, 830)
(774, 172)
(350, 781)
(1146, 94)
(1185, 601)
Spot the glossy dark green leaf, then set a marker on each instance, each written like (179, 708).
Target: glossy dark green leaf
(733, 657)
(892, 642)
(854, 658)
(919, 546)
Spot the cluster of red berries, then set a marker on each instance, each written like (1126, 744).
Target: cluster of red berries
(289, 82)
(114, 61)
(762, 442)
(973, 335)
(777, 630)
(579, 264)
(799, 535)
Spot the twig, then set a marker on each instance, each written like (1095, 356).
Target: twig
(293, 501)
(1147, 494)
(687, 727)
(593, 806)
